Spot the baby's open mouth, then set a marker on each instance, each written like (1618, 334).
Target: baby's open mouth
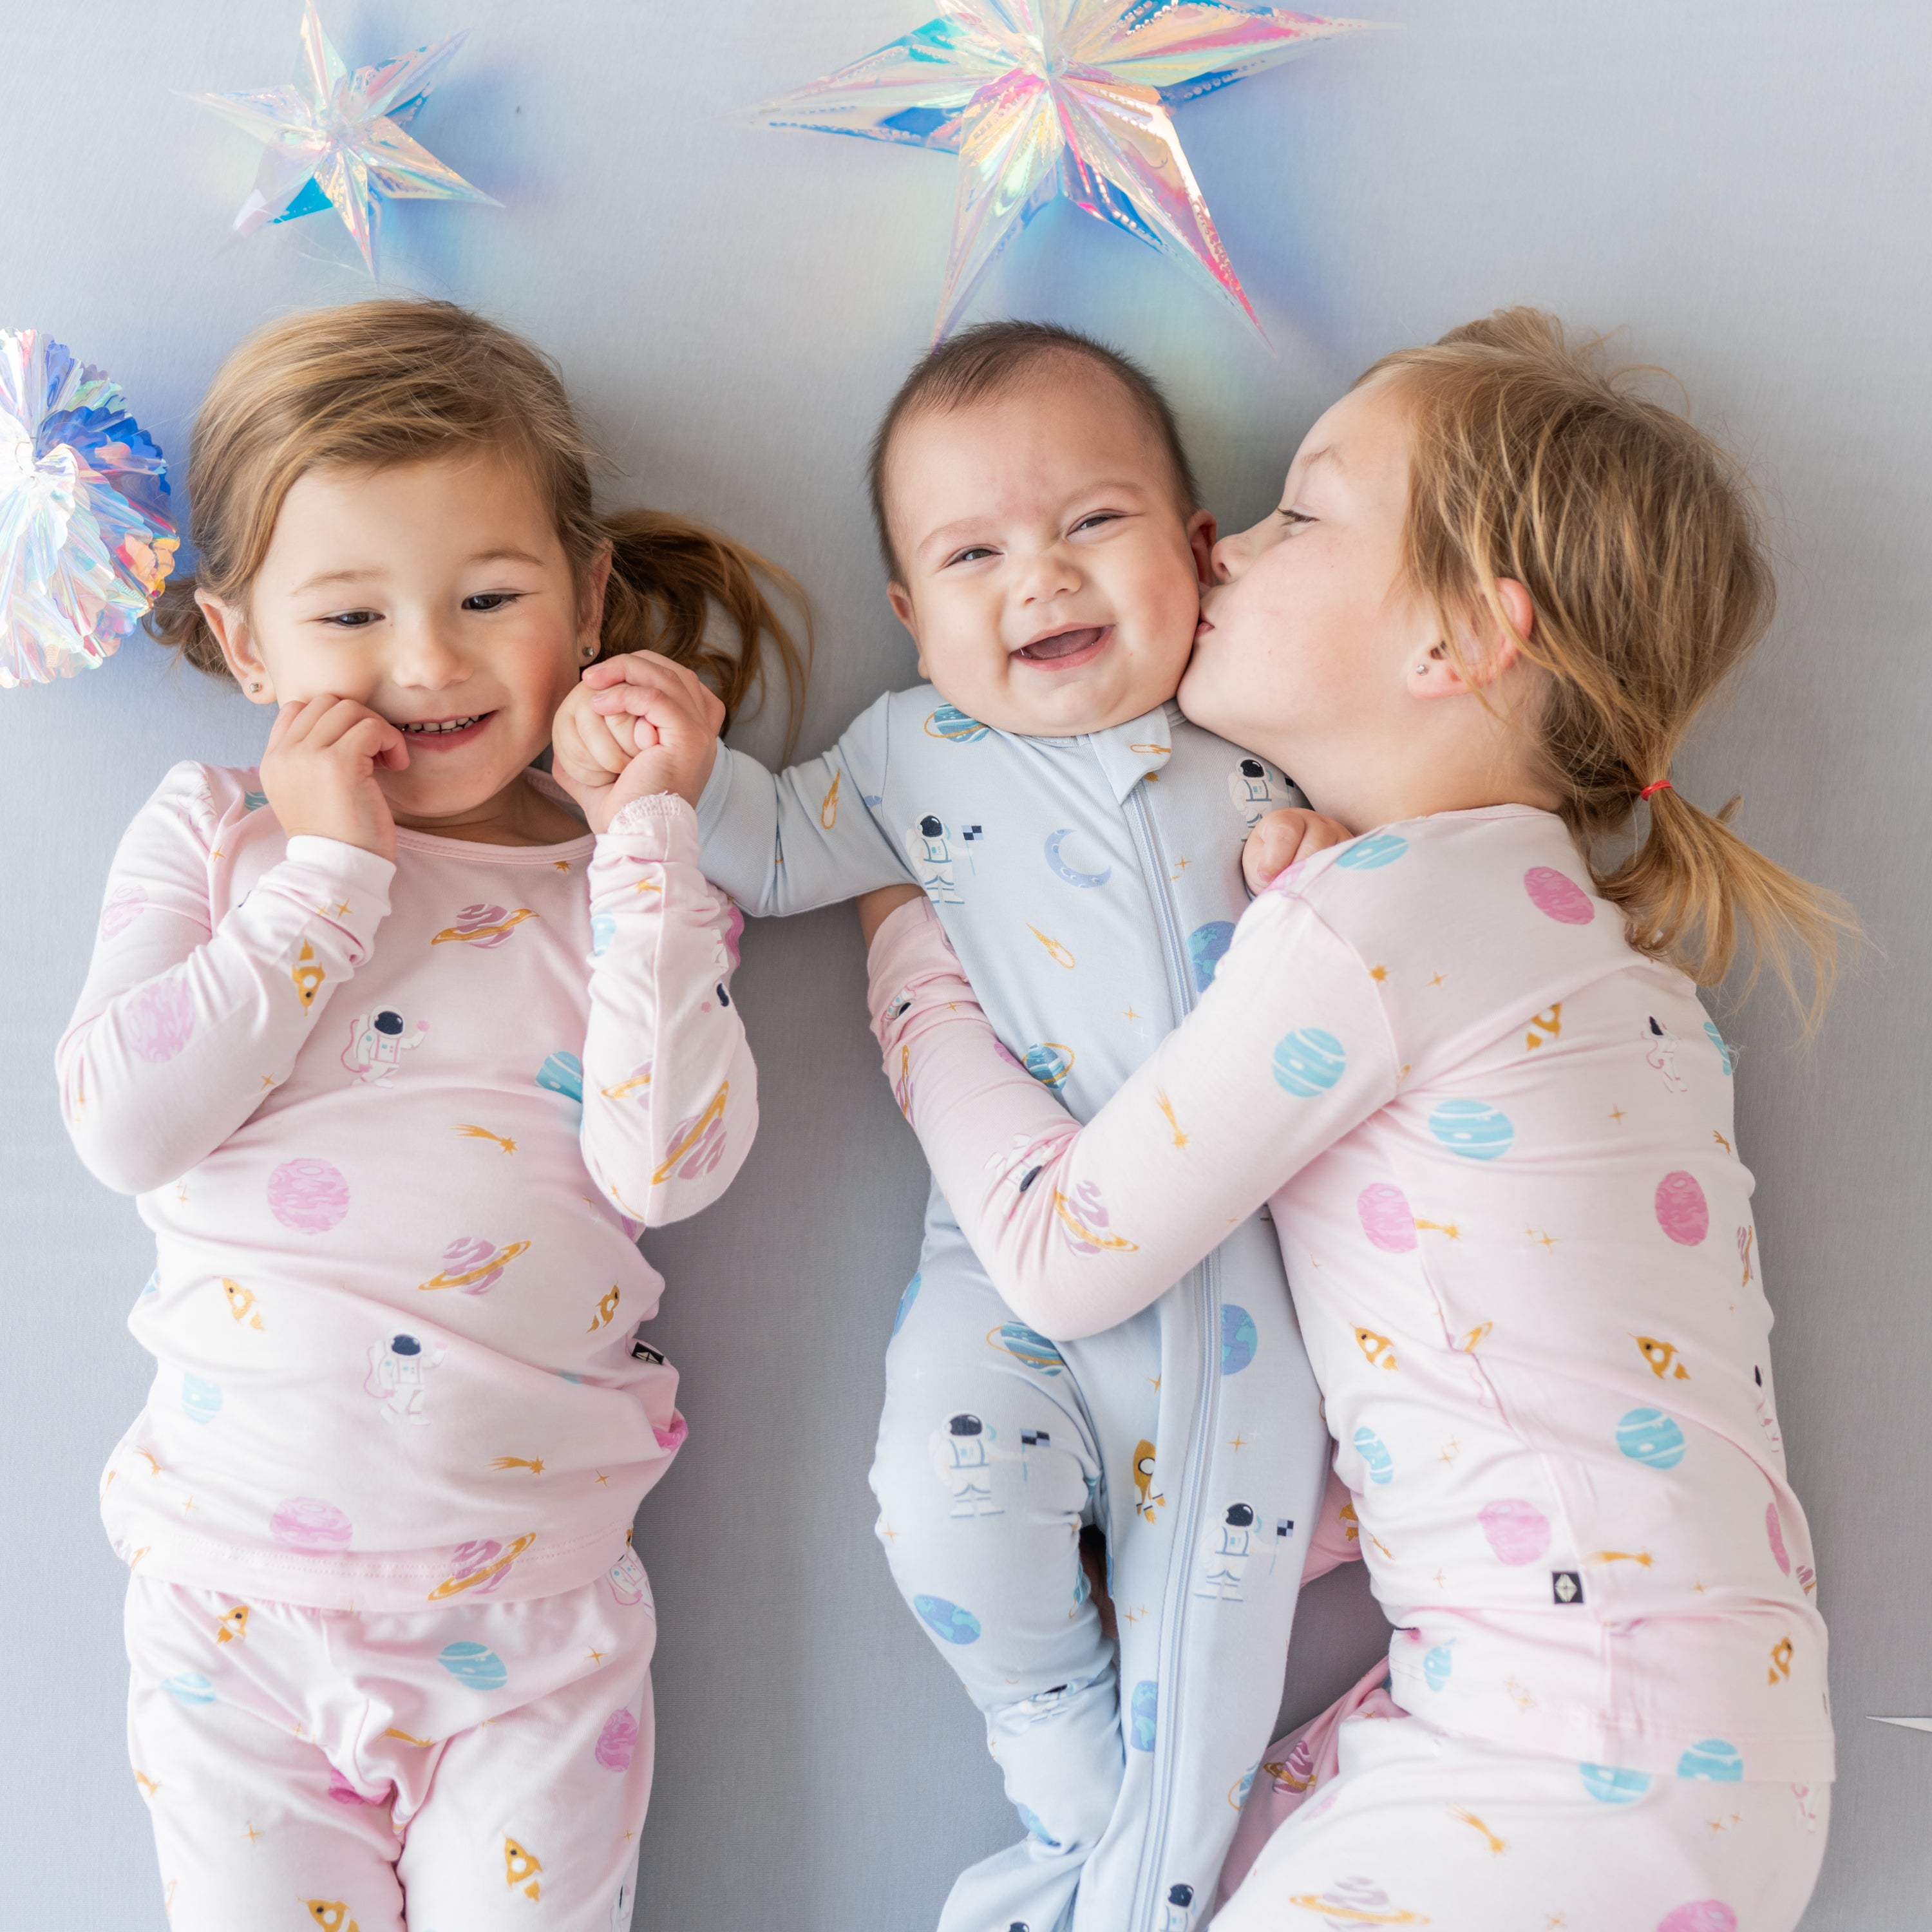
(1064, 644)
(446, 733)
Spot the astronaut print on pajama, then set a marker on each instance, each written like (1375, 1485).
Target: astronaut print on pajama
(1092, 884)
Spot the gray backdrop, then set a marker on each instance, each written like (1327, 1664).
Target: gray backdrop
(1745, 186)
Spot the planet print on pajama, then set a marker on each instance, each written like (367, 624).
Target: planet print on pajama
(617, 1742)
(1705, 1914)
(1558, 897)
(1681, 1210)
(1240, 1338)
(160, 1019)
(1473, 1129)
(1372, 853)
(947, 1622)
(1386, 1218)
(309, 1196)
(478, 1666)
(310, 1524)
(1650, 1437)
(1518, 1531)
(1309, 1061)
(201, 1399)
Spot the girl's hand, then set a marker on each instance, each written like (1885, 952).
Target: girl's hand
(1282, 838)
(319, 770)
(636, 725)
(876, 907)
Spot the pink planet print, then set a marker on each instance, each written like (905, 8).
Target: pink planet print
(160, 1018)
(1707, 1914)
(1386, 1219)
(700, 1156)
(485, 926)
(309, 1524)
(1681, 1211)
(125, 904)
(308, 1195)
(1518, 1531)
(617, 1743)
(1774, 1531)
(1558, 897)
(668, 1439)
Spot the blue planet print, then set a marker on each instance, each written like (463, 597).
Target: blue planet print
(1648, 1436)
(1436, 1665)
(1239, 1795)
(1146, 1702)
(190, 1688)
(1059, 866)
(1030, 1346)
(1473, 1129)
(952, 724)
(906, 1300)
(1035, 1828)
(1611, 1784)
(947, 1622)
(253, 801)
(1712, 1758)
(562, 1073)
(1239, 1339)
(1205, 946)
(1308, 1062)
(1374, 1451)
(1048, 1061)
(1370, 854)
(1722, 1045)
(475, 1664)
(201, 1400)
(603, 928)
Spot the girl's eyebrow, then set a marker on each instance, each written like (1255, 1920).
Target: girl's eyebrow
(334, 576)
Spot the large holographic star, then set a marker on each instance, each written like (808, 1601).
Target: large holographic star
(335, 139)
(1040, 98)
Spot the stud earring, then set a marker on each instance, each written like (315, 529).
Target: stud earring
(255, 684)
(1422, 669)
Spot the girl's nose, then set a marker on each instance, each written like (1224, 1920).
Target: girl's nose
(1229, 558)
(425, 661)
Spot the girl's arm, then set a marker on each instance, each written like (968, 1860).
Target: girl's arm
(1081, 1227)
(184, 1027)
(670, 1096)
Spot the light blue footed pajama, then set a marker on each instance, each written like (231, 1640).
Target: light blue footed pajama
(1090, 885)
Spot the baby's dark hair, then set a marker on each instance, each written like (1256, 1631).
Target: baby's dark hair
(993, 359)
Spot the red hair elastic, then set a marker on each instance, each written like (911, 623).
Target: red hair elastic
(1657, 785)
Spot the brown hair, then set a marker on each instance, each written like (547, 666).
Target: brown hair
(1639, 542)
(373, 383)
(993, 359)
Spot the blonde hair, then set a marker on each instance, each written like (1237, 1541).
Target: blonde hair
(374, 383)
(1639, 542)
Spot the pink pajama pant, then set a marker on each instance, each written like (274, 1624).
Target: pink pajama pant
(1369, 1817)
(480, 1767)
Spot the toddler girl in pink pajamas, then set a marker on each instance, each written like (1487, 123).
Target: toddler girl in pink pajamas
(399, 1055)
(1467, 1070)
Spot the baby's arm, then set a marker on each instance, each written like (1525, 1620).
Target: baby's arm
(181, 1031)
(1081, 1227)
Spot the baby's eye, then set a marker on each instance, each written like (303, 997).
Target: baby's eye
(971, 555)
(1098, 517)
(490, 600)
(351, 620)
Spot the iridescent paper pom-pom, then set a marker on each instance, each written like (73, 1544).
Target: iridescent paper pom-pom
(86, 540)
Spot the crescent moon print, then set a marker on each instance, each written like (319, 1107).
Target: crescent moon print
(1061, 869)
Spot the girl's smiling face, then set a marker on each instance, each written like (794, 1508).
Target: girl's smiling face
(438, 594)
(1311, 644)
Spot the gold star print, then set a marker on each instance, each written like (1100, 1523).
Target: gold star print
(267, 1080)
(249, 1831)
(216, 853)
(601, 1478)
(1238, 1442)
(561, 864)
(889, 1534)
(1554, 1921)
(1135, 1615)
(596, 1655)
(1438, 1579)
(1548, 1240)
(1716, 1824)
(647, 886)
(1130, 1014)
(1450, 1451)
(342, 906)
(1517, 1694)
(1378, 973)
(1617, 1115)
(1180, 866)
(1153, 1381)
(1437, 980)
(1720, 1140)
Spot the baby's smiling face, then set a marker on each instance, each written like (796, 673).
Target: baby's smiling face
(1048, 571)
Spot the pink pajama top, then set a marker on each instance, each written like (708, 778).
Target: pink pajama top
(397, 1129)
(1497, 1145)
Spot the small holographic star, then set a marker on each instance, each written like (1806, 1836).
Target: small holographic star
(334, 139)
(1043, 98)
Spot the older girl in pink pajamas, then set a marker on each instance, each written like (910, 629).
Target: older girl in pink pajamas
(1467, 1069)
(400, 1055)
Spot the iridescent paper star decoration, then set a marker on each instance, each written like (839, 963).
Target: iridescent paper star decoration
(85, 538)
(334, 139)
(1043, 98)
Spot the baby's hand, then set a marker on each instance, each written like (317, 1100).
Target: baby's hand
(319, 768)
(636, 725)
(1281, 838)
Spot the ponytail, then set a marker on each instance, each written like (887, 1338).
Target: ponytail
(666, 575)
(1637, 539)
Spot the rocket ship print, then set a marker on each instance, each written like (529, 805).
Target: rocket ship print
(606, 1313)
(1662, 1357)
(1378, 1349)
(1781, 1654)
(231, 1626)
(520, 1868)
(1146, 1500)
(307, 976)
(241, 1303)
(331, 1915)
